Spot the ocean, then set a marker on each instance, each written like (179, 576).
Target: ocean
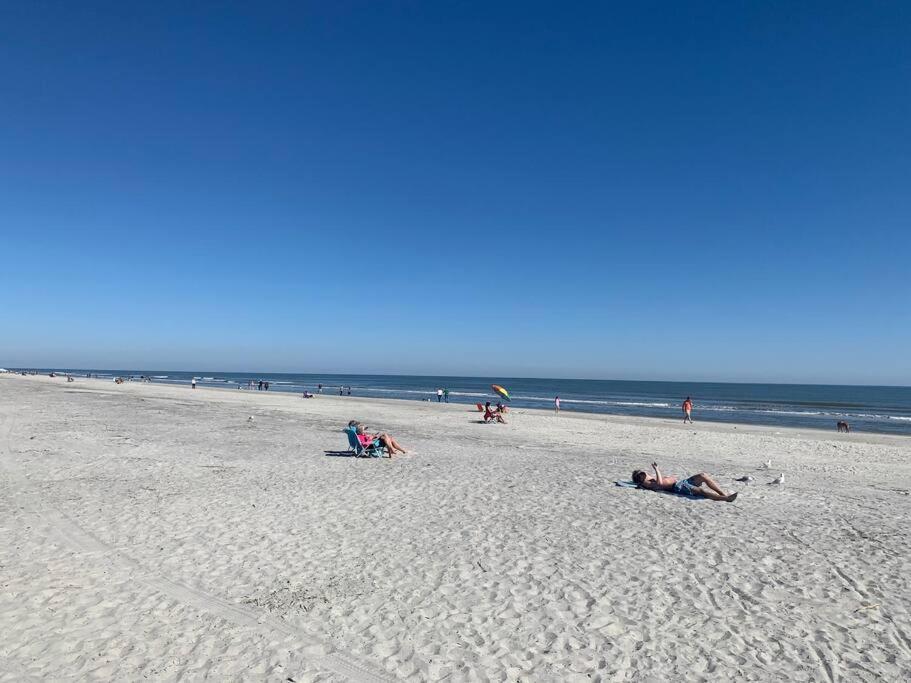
(866, 408)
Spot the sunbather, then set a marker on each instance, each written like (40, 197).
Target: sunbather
(691, 486)
(377, 440)
(491, 415)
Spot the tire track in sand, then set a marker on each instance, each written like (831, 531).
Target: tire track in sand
(83, 542)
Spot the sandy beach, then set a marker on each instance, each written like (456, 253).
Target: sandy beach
(155, 532)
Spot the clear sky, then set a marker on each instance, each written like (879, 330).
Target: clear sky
(716, 191)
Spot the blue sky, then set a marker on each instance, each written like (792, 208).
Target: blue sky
(713, 191)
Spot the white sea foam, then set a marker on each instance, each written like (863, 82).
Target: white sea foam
(631, 404)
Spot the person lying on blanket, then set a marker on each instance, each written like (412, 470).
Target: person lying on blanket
(691, 486)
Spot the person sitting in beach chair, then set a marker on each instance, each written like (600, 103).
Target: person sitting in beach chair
(502, 407)
(390, 444)
(691, 486)
(492, 416)
(360, 449)
(374, 444)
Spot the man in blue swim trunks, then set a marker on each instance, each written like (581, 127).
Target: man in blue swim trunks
(691, 486)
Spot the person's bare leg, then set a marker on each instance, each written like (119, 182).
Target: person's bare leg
(711, 495)
(391, 444)
(703, 478)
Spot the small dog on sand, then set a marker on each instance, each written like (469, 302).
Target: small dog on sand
(843, 427)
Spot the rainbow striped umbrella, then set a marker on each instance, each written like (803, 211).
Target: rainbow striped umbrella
(500, 390)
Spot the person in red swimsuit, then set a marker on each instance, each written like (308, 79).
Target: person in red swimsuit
(491, 415)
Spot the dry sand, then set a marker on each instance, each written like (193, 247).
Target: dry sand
(152, 531)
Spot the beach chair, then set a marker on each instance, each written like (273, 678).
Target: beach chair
(359, 450)
(480, 407)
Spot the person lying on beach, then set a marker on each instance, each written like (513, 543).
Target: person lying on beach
(492, 415)
(382, 439)
(691, 486)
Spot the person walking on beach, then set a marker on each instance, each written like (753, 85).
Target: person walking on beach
(556, 405)
(691, 486)
(193, 383)
(348, 390)
(446, 395)
(439, 395)
(260, 387)
(266, 386)
(341, 391)
(688, 411)
(319, 388)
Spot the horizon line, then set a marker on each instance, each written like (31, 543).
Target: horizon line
(479, 377)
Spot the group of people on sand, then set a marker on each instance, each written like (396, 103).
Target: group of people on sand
(495, 414)
(380, 440)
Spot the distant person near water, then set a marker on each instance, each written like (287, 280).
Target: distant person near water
(266, 386)
(439, 395)
(348, 390)
(193, 383)
(446, 395)
(319, 388)
(557, 405)
(341, 391)
(691, 486)
(688, 410)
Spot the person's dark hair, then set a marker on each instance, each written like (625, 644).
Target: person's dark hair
(638, 476)
(353, 423)
(487, 404)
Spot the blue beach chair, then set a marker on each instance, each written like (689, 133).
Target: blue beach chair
(361, 451)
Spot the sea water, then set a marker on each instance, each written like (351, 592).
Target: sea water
(865, 408)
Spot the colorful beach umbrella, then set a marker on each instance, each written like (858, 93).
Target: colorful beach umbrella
(500, 390)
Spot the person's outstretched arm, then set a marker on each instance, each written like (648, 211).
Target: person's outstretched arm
(657, 475)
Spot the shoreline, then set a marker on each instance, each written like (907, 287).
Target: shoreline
(880, 410)
(640, 420)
